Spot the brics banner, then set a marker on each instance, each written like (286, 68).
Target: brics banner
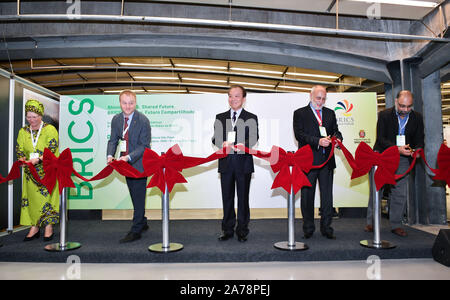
(187, 120)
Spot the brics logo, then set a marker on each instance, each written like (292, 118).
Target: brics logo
(345, 106)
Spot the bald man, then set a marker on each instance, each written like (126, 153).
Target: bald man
(314, 125)
(403, 127)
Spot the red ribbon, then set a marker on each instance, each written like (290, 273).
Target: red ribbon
(281, 161)
(14, 173)
(387, 162)
(57, 168)
(443, 162)
(301, 162)
(166, 169)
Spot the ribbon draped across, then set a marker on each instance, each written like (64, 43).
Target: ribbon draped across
(166, 169)
(14, 173)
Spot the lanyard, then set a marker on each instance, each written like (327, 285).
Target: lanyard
(400, 127)
(35, 141)
(319, 120)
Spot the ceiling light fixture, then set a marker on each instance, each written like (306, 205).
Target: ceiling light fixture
(155, 78)
(144, 65)
(201, 66)
(118, 91)
(256, 71)
(312, 75)
(250, 83)
(205, 80)
(294, 87)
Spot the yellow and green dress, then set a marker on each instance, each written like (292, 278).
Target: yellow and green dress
(39, 207)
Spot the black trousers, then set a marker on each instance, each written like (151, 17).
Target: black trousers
(325, 178)
(232, 181)
(138, 189)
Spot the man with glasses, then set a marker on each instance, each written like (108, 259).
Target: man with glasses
(403, 127)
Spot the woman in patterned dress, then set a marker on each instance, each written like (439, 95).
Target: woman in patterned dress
(39, 207)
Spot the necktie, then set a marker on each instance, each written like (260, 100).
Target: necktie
(234, 117)
(318, 114)
(125, 137)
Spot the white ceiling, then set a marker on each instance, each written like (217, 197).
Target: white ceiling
(346, 7)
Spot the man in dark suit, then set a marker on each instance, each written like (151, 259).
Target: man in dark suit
(233, 127)
(402, 127)
(130, 130)
(314, 125)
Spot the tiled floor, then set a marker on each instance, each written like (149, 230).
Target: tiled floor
(336, 270)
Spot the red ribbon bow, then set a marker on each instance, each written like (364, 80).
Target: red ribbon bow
(443, 162)
(164, 169)
(57, 168)
(387, 162)
(301, 163)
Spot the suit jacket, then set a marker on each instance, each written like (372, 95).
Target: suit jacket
(306, 130)
(387, 130)
(246, 133)
(139, 136)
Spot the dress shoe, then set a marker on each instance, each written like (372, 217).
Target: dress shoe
(49, 238)
(308, 235)
(242, 238)
(35, 236)
(329, 235)
(130, 237)
(368, 228)
(399, 232)
(225, 237)
(145, 228)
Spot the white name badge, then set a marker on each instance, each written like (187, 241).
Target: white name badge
(231, 137)
(401, 140)
(323, 131)
(34, 155)
(122, 146)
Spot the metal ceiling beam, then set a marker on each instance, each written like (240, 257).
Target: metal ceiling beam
(332, 4)
(215, 23)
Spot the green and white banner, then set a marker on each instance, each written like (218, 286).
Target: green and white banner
(188, 120)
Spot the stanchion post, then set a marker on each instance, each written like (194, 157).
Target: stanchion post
(63, 245)
(291, 244)
(165, 246)
(376, 243)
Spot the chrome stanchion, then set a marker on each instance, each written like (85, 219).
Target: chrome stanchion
(63, 245)
(165, 246)
(291, 244)
(376, 243)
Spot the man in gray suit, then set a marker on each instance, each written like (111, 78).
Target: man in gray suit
(130, 130)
